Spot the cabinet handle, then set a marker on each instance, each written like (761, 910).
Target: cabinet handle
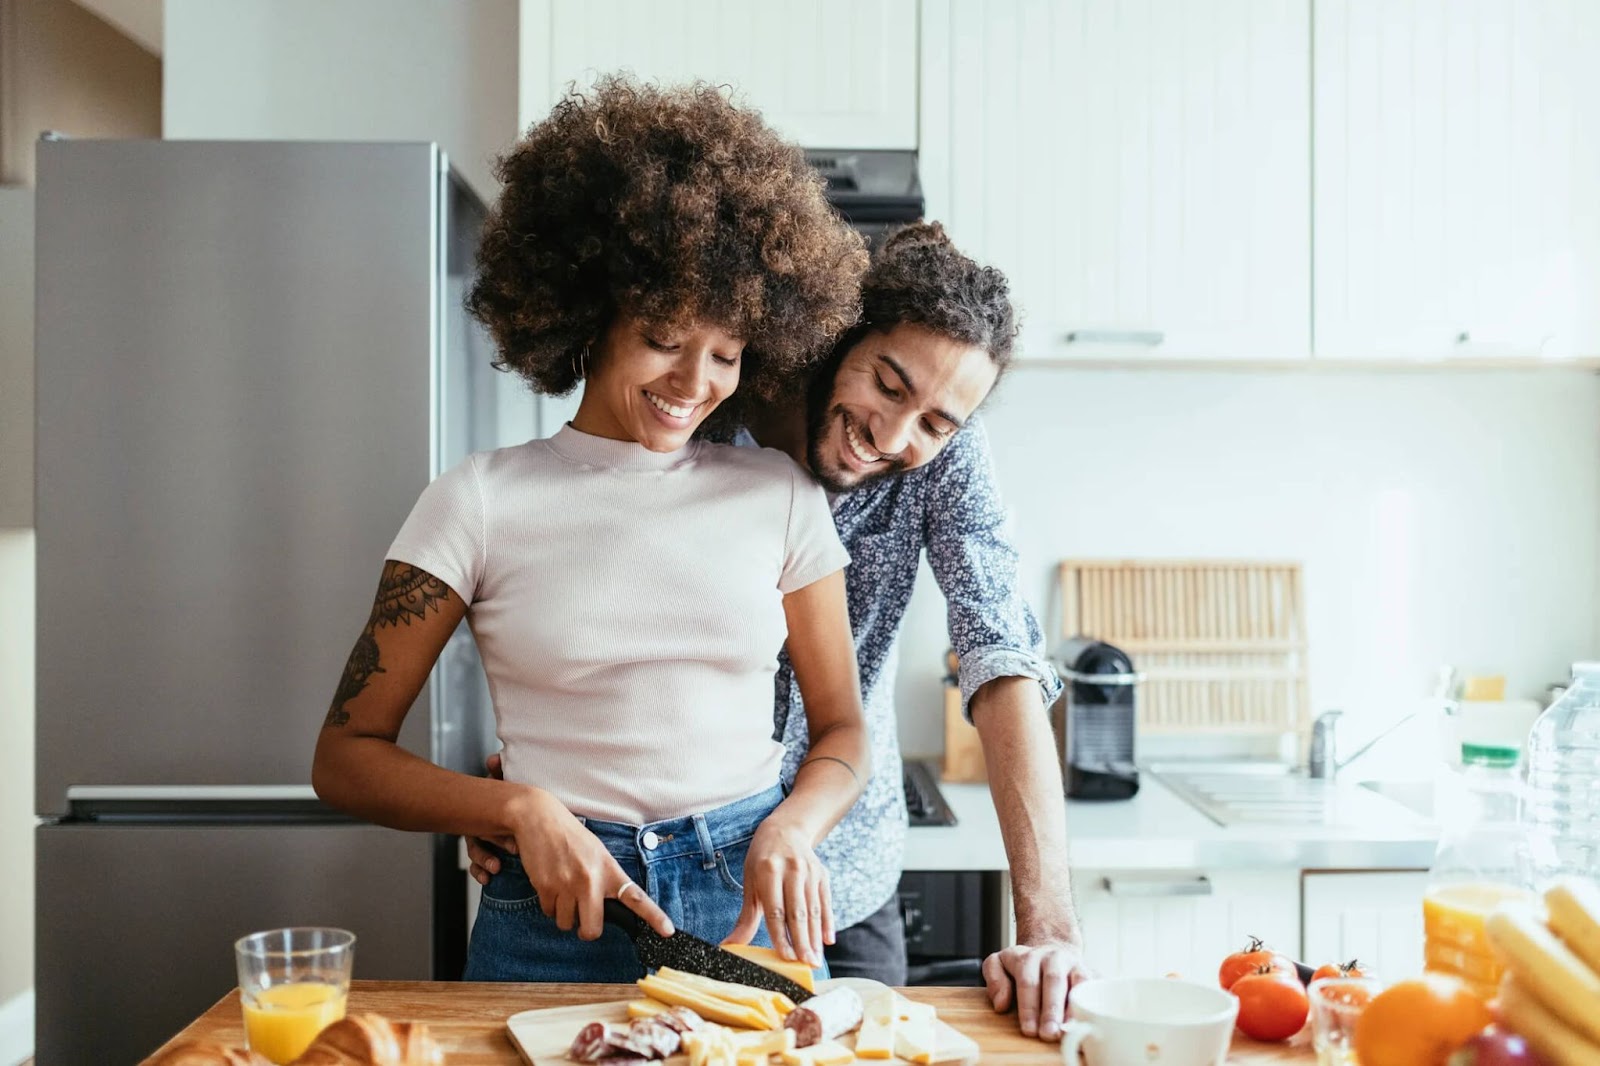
(1126, 887)
(1147, 338)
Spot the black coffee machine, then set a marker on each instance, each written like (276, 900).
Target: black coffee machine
(1099, 717)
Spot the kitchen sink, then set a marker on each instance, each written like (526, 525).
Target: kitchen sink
(1415, 796)
(1273, 794)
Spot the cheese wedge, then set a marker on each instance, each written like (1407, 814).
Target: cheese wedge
(824, 1054)
(798, 972)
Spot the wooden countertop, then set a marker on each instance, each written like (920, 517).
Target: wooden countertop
(468, 1020)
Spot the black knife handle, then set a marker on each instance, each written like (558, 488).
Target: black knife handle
(618, 914)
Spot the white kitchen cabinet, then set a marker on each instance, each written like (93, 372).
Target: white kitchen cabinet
(1457, 154)
(1140, 169)
(827, 73)
(1140, 924)
(1374, 916)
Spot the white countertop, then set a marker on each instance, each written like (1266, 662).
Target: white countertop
(1158, 830)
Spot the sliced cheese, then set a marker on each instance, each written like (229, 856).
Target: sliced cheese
(825, 1054)
(772, 1042)
(647, 1008)
(916, 1040)
(767, 1002)
(878, 1023)
(710, 1007)
(711, 1046)
(798, 972)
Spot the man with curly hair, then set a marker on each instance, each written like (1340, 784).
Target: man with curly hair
(890, 428)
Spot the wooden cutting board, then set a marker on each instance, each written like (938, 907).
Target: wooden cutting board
(543, 1036)
(469, 1020)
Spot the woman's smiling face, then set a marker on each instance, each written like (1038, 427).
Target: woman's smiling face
(654, 386)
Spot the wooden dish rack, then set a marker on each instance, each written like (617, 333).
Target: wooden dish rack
(1221, 644)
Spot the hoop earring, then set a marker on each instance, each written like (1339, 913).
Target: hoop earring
(580, 364)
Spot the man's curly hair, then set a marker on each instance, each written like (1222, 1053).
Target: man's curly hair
(672, 205)
(918, 275)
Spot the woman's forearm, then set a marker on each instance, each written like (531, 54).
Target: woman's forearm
(375, 779)
(830, 780)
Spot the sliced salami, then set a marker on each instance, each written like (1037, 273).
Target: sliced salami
(650, 1038)
(590, 1045)
(825, 1017)
(681, 1020)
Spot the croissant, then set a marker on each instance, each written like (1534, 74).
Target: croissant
(360, 1040)
(373, 1040)
(207, 1053)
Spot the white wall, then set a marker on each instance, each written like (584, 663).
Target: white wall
(1442, 517)
(16, 598)
(375, 70)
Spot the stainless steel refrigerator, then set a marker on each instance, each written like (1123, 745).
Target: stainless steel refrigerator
(252, 357)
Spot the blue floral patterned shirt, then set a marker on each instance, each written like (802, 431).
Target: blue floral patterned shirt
(951, 508)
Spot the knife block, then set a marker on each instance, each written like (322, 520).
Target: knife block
(963, 751)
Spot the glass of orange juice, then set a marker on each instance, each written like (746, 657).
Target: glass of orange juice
(292, 983)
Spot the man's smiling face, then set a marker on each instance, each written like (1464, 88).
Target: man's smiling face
(896, 398)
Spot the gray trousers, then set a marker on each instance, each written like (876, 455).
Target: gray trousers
(874, 947)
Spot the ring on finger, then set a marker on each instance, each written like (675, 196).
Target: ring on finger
(622, 892)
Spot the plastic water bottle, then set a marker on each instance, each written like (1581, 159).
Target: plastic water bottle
(1561, 803)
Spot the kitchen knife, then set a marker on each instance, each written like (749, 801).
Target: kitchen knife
(687, 952)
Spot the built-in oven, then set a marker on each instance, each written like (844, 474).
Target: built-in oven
(954, 919)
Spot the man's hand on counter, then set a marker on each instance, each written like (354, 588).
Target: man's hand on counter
(1035, 979)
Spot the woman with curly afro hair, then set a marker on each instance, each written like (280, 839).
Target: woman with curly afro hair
(629, 583)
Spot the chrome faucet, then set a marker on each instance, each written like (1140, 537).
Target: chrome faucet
(1322, 762)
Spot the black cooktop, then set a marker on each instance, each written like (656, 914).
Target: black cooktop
(924, 802)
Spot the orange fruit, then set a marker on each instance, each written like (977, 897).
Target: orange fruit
(1419, 1022)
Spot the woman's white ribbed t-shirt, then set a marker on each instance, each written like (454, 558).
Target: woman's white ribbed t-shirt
(628, 606)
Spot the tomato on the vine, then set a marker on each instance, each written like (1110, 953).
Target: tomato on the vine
(1353, 968)
(1272, 1004)
(1252, 958)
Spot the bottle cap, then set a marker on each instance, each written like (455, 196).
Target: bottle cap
(1487, 755)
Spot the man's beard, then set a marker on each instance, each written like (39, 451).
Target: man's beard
(821, 412)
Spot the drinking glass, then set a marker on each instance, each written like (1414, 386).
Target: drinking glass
(293, 984)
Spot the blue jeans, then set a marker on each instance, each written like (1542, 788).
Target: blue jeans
(692, 867)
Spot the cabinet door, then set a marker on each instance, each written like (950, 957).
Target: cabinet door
(1138, 168)
(1147, 924)
(827, 73)
(1457, 151)
(1372, 916)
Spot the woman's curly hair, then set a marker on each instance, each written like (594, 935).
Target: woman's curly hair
(918, 275)
(672, 205)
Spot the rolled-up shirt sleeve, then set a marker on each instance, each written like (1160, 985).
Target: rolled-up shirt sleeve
(967, 535)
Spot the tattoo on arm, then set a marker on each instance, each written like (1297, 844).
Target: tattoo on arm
(404, 592)
(832, 758)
